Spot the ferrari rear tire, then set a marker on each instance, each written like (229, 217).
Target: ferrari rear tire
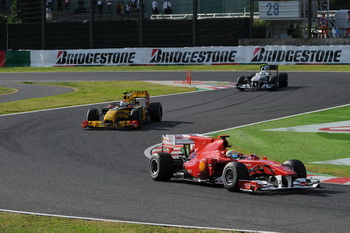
(136, 115)
(283, 78)
(232, 173)
(297, 166)
(161, 166)
(92, 115)
(155, 111)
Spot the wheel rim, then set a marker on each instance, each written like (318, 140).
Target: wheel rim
(229, 177)
(154, 167)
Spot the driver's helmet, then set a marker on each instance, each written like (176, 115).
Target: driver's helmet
(263, 73)
(123, 104)
(232, 154)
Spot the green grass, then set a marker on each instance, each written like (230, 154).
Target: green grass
(6, 90)
(279, 146)
(175, 68)
(87, 93)
(21, 223)
(307, 147)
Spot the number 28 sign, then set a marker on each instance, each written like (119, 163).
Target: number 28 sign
(269, 10)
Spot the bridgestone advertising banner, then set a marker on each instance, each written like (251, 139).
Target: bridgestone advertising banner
(193, 56)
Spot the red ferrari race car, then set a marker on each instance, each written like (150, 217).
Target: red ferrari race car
(205, 159)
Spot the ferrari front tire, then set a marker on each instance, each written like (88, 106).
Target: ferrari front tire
(297, 166)
(232, 173)
(161, 166)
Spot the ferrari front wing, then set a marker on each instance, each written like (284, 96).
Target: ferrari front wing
(277, 184)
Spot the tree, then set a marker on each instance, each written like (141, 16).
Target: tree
(15, 13)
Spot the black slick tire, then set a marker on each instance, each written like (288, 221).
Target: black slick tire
(136, 115)
(283, 78)
(161, 167)
(275, 81)
(232, 173)
(92, 115)
(297, 166)
(155, 111)
(240, 80)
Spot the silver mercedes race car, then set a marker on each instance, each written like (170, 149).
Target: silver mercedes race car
(263, 80)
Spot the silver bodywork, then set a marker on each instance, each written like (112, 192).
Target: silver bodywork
(261, 80)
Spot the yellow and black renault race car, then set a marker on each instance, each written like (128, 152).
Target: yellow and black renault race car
(133, 110)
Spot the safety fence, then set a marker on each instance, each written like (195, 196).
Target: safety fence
(123, 33)
(288, 55)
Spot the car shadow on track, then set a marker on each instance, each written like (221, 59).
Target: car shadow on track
(162, 125)
(293, 88)
(282, 89)
(317, 192)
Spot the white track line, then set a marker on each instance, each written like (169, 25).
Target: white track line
(129, 222)
(77, 106)
(147, 152)
(146, 223)
(280, 118)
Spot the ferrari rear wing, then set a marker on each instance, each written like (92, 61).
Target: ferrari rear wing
(171, 140)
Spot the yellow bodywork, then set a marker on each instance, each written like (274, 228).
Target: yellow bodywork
(116, 118)
(121, 117)
(99, 124)
(131, 97)
(114, 114)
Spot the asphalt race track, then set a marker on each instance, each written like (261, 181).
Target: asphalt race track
(48, 164)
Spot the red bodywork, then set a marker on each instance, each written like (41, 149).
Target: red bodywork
(204, 159)
(208, 158)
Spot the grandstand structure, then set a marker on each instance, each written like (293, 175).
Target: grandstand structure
(82, 26)
(38, 25)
